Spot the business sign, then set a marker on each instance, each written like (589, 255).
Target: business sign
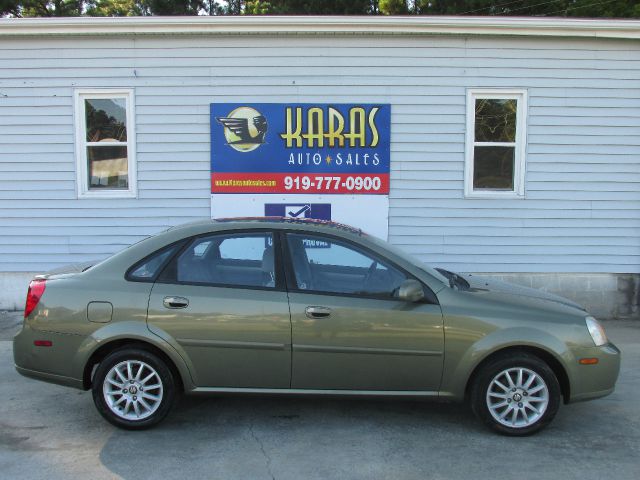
(302, 161)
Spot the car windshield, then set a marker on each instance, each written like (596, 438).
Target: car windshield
(411, 259)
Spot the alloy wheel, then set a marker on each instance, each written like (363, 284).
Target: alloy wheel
(517, 397)
(133, 390)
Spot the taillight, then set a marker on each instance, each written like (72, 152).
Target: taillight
(36, 289)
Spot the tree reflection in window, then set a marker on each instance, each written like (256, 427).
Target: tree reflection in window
(494, 143)
(496, 120)
(106, 119)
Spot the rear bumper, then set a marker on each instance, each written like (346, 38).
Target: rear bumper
(50, 364)
(50, 378)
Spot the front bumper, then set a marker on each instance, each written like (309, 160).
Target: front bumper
(599, 380)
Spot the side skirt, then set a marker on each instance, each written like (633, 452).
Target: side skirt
(301, 391)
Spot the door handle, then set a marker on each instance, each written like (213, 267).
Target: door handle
(317, 312)
(175, 302)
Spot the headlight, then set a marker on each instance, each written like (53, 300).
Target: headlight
(596, 331)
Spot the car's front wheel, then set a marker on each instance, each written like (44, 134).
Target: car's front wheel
(133, 388)
(516, 394)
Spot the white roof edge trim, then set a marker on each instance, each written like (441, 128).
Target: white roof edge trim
(314, 25)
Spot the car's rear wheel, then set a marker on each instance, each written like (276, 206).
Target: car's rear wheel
(517, 394)
(133, 388)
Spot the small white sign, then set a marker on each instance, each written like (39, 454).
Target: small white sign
(368, 212)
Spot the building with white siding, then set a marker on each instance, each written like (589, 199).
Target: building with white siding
(562, 212)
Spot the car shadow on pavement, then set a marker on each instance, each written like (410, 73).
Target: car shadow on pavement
(243, 437)
(351, 438)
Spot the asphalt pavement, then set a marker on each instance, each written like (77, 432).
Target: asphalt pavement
(51, 432)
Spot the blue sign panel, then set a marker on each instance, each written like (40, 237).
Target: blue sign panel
(300, 148)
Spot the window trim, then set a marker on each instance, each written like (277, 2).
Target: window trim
(519, 167)
(82, 186)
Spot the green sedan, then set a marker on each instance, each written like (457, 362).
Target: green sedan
(283, 306)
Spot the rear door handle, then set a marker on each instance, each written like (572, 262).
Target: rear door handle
(175, 302)
(317, 312)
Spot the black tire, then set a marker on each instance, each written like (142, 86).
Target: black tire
(493, 368)
(164, 375)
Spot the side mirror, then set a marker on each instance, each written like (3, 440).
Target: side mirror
(411, 291)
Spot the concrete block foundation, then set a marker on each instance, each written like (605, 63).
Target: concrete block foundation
(604, 295)
(13, 289)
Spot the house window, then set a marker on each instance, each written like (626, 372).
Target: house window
(496, 136)
(105, 143)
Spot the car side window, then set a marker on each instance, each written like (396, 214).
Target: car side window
(242, 259)
(147, 270)
(328, 265)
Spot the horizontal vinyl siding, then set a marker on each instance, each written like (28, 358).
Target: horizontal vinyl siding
(582, 207)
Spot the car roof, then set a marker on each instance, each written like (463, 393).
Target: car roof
(271, 222)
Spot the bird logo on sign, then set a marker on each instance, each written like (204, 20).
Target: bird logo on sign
(245, 129)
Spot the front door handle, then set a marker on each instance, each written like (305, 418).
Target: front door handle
(317, 312)
(175, 302)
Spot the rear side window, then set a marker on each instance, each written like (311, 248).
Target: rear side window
(150, 267)
(239, 259)
(245, 248)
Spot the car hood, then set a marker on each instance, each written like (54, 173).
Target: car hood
(484, 284)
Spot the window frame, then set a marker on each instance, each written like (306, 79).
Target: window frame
(82, 183)
(520, 144)
(292, 285)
